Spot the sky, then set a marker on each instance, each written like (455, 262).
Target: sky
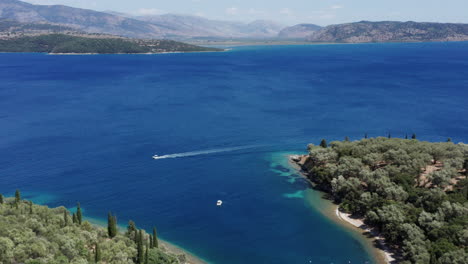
(287, 12)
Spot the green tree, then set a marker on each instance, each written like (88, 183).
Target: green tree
(146, 255)
(155, 238)
(65, 218)
(323, 143)
(111, 225)
(17, 196)
(131, 227)
(140, 256)
(454, 257)
(79, 214)
(1, 198)
(449, 140)
(30, 207)
(346, 139)
(413, 136)
(74, 218)
(365, 135)
(465, 166)
(97, 253)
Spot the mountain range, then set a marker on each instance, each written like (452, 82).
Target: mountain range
(161, 26)
(195, 28)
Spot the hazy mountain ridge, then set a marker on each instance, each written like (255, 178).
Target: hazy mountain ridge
(300, 31)
(80, 19)
(391, 31)
(196, 28)
(161, 26)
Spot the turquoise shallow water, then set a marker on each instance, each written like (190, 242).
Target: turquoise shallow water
(84, 128)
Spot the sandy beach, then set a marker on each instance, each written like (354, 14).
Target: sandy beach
(359, 223)
(383, 253)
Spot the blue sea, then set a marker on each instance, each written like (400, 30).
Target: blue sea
(85, 128)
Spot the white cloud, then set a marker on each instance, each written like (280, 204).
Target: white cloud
(232, 11)
(336, 7)
(286, 11)
(149, 11)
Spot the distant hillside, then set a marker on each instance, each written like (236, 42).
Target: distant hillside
(389, 31)
(60, 43)
(163, 26)
(80, 19)
(186, 26)
(300, 31)
(12, 29)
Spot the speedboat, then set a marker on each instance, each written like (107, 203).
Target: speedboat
(156, 157)
(219, 203)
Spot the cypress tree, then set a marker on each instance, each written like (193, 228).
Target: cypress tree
(97, 255)
(131, 228)
(30, 207)
(146, 255)
(114, 225)
(17, 196)
(140, 257)
(65, 217)
(346, 139)
(389, 135)
(74, 219)
(465, 166)
(155, 238)
(323, 143)
(111, 225)
(413, 136)
(365, 135)
(406, 136)
(449, 140)
(150, 241)
(79, 215)
(1, 198)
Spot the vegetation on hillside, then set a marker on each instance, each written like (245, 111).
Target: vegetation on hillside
(15, 27)
(61, 43)
(35, 234)
(390, 31)
(415, 193)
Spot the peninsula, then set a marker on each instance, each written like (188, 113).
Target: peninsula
(94, 44)
(411, 194)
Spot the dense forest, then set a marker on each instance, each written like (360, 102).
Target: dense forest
(415, 193)
(35, 234)
(62, 43)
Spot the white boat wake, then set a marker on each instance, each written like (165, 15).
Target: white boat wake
(202, 152)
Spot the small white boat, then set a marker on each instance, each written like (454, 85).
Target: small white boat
(156, 157)
(219, 203)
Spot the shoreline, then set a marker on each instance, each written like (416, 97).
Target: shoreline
(165, 245)
(176, 250)
(381, 251)
(358, 223)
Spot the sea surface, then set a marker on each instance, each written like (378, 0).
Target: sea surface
(85, 128)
